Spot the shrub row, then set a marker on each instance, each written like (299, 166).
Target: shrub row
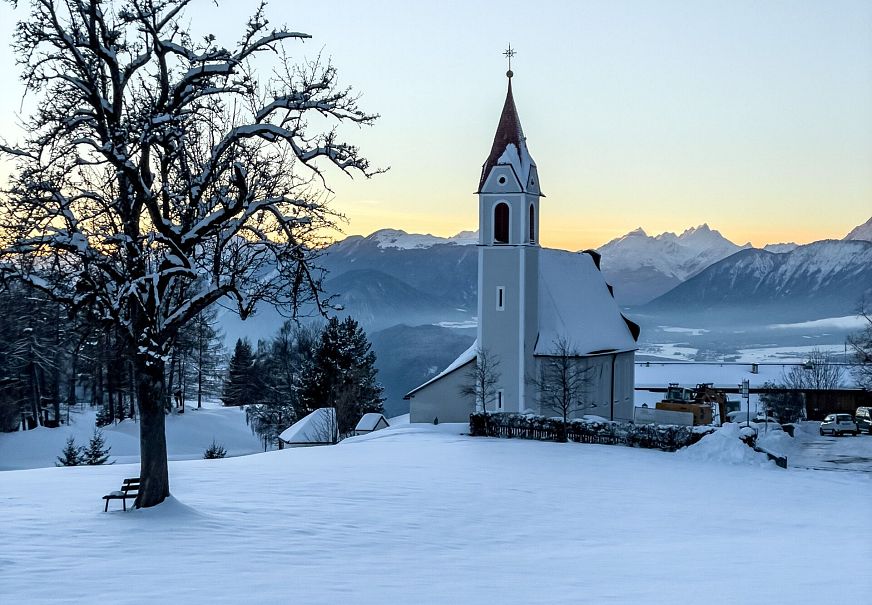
(529, 426)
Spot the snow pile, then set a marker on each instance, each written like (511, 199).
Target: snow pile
(724, 445)
(776, 441)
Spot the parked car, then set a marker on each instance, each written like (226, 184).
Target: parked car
(839, 424)
(863, 418)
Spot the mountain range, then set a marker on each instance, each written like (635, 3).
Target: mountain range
(392, 277)
(441, 271)
(828, 278)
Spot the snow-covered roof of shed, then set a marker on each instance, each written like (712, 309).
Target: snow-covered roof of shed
(369, 421)
(510, 145)
(317, 427)
(463, 359)
(575, 304)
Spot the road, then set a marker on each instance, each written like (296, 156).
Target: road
(832, 453)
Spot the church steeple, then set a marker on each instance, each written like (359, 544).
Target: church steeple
(509, 132)
(509, 149)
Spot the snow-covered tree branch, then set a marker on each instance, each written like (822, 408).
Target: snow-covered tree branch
(159, 176)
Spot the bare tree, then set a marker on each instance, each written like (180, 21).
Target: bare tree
(482, 379)
(562, 382)
(159, 175)
(818, 372)
(861, 345)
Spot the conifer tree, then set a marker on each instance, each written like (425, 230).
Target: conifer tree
(214, 451)
(239, 386)
(206, 352)
(343, 374)
(97, 452)
(71, 455)
(280, 368)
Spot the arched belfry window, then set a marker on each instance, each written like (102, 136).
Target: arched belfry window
(532, 224)
(501, 223)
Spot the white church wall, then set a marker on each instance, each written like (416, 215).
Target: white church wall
(597, 397)
(625, 373)
(442, 399)
(598, 391)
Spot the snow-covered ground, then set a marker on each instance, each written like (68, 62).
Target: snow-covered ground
(421, 514)
(188, 436)
(794, 354)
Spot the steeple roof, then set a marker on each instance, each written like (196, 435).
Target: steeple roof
(508, 132)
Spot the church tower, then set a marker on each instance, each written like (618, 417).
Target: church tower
(508, 260)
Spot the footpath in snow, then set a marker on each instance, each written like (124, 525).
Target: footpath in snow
(421, 514)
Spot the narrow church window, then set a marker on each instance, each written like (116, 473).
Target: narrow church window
(501, 298)
(500, 399)
(501, 223)
(532, 224)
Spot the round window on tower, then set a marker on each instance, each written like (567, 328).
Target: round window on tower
(502, 180)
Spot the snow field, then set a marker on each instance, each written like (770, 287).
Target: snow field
(188, 436)
(420, 514)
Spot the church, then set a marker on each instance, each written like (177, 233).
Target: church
(533, 303)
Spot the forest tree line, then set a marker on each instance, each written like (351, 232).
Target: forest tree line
(50, 363)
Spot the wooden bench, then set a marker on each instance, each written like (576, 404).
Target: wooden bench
(129, 490)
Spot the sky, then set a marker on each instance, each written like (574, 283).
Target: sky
(752, 116)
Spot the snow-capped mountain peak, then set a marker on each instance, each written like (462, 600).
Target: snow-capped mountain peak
(676, 256)
(397, 238)
(861, 232)
(781, 248)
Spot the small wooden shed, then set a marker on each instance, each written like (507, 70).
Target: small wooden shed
(370, 422)
(318, 428)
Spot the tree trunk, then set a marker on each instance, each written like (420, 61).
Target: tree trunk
(154, 473)
(36, 394)
(131, 380)
(200, 355)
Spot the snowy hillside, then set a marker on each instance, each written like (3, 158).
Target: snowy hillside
(642, 267)
(862, 232)
(188, 436)
(420, 515)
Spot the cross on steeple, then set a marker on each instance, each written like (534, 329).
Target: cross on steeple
(509, 53)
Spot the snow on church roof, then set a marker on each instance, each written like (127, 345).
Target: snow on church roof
(575, 304)
(463, 359)
(319, 427)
